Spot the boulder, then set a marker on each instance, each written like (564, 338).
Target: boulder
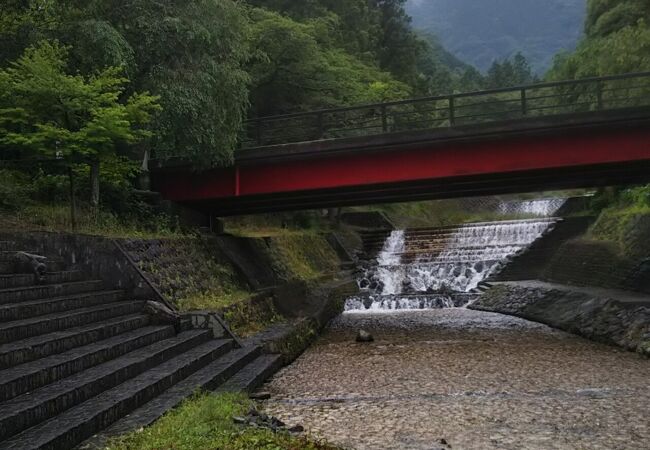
(364, 336)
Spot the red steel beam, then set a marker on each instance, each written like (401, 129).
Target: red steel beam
(522, 154)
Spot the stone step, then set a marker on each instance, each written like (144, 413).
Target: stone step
(33, 375)
(22, 329)
(73, 426)
(209, 377)
(19, 294)
(52, 265)
(34, 308)
(28, 279)
(253, 375)
(30, 409)
(36, 347)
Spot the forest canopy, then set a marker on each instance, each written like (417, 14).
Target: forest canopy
(199, 68)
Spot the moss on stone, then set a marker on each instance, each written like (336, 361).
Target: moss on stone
(296, 342)
(250, 316)
(189, 271)
(303, 256)
(622, 226)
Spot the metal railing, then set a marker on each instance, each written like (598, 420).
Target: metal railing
(494, 105)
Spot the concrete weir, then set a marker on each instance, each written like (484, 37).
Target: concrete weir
(462, 360)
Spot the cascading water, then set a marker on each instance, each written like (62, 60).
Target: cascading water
(388, 263)
(542, 207)
(423, 269)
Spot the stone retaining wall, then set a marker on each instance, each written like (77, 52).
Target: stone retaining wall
(614, 254)
(531, 264)
(98, 257)
(182, 267)
(607, 320)
(292, 337)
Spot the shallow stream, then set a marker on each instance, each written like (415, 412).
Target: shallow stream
(462, 379)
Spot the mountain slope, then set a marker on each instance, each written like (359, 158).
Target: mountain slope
(480, 31)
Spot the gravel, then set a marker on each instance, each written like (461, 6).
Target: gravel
(464, 379)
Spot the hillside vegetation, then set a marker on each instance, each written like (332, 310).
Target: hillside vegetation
(481, 32)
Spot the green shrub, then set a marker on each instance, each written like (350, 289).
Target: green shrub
(51, 188)
(15, 190)
(638, 196)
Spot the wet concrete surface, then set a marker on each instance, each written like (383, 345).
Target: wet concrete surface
(464, 379)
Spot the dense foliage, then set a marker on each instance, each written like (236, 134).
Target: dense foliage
(617, 40)
(209, 64)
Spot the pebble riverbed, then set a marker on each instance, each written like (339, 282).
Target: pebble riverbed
(462, 379)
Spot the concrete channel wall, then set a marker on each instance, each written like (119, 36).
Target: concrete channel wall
(608, 316)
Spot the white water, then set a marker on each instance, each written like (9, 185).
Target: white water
(388, 263)
(425, 269)
(542, 207)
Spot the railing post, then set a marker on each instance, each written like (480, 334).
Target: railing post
(384, 119)
(599, 95)
(524, 102)
(452, 111)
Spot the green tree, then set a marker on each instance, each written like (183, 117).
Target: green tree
(47, 112)
(298, 68)
(515, 71)
(617, 40)
(609, 16)
(191, 54)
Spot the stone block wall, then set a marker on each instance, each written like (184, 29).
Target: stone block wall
(99, 258)
(531, 264)
(272, 261)
(615, 253)
(598, 318)
(588, 263)
(183, 267)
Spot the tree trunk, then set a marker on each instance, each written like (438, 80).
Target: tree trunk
(94, 184)
(73, 202)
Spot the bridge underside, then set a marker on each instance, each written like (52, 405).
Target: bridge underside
(585, 152)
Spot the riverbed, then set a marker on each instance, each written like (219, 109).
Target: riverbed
(462, 379)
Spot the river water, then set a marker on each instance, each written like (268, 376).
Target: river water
(471, 379)
(441, 376)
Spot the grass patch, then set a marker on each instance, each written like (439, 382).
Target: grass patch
(189, 271)
(303, 256)
(205, 422)
(614, 224)
(56, 218)
(250, 316)
(211, 300)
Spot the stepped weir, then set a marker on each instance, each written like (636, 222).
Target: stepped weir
(439, 267)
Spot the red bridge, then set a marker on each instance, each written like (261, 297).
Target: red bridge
(583, 133)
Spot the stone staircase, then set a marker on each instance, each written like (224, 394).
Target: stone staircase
(77, 358)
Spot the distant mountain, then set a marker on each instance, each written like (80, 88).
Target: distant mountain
(480, 31)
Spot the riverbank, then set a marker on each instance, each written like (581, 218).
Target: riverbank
(206, 421)
(458, 378)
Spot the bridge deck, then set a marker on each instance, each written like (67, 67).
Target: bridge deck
(601, 138)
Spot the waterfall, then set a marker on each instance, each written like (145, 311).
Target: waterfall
(388, 267)
(543, 207)
(422, 269)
